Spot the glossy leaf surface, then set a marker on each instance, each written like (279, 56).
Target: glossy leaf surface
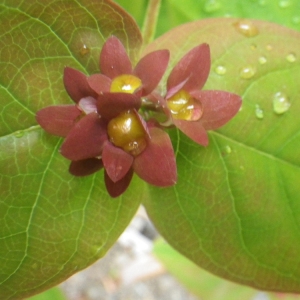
(52, 223)
(176, 12)
(235, 209)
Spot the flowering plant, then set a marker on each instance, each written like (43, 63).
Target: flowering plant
(93, 109)
(104, 129)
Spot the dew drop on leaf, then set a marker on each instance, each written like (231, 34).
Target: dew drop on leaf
(296, 20)
(262, 60)
(246, 27)
(259, 113)
(284, 3)
(84, 50)
(247, 72)
(220, 70)
(211, 6)
(281, 103)
(291, 57)
(262, 2)
(228, 149)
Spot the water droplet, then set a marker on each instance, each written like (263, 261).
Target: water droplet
(262, 2)
(211, 6)
(296, 20)
(291, 57)
(284, 3)
(247, 72)
(281, 103)
(259, 113)
(228, 149)
(262, 60)
(220, 70)
(84, 50)
(246, 27)
(19, 133)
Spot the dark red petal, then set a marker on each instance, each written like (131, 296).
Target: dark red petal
(109, 105)
(218, 107)
(58, 120)
(76, 84)
(194, 130)
(99, 83)
(116, 161)
(151, 68)
(172, 91)
(156, 164)
(85, 139)
(195, 66)
(114, 60)
(85, 167)
(115, 189)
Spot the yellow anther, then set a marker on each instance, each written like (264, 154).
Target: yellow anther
(125, 84)
(127, 132)
(181, 105)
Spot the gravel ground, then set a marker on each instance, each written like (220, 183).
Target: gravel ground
(128, 271)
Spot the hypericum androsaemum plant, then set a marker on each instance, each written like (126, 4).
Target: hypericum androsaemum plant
(105, 129)
(224, 196)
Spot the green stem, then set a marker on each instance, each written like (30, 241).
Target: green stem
(150, 22)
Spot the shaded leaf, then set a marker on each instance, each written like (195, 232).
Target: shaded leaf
(52, 223)
(235, 209)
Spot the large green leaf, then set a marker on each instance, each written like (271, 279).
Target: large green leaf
(176, 12)
(52, 224)
(137, 9)
(235, 210)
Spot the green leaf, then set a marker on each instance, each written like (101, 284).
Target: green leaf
(36, 44)
(197, 281)
(235, 210)
(136, 9)
(203, 284)
(176, 12)
(52, 294)
(52, 224)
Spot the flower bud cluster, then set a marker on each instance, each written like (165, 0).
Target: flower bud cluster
(118, 120)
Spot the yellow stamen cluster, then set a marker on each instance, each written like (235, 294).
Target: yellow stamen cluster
(126, 131)
(181, 105)
(125, 84)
